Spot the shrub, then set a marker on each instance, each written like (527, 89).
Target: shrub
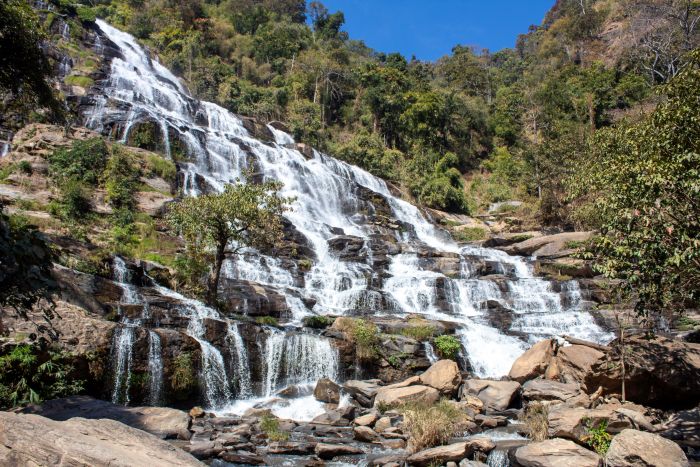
(183, 377)
(84, 161)
(75, 201)
(447, 346)
(30, 375)
(25, 167)
(267, 320)
(318, 321)
(121, 177)
(431, 425)
(598, 437)
(469, 234)
(366, 337)
(157, 166)
(535, 419)
(270, 425)
(419, 332)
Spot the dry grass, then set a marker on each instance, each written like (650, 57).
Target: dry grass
(431, 425)
(535, 417)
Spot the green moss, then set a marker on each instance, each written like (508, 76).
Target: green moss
(318, 321)
(82, 81)
(157, 166)
(419, 332)
(267, 320)
(469, 234)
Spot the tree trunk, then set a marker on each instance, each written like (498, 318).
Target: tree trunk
(215, 274)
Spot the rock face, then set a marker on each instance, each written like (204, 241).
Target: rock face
(327, 391)
(394, 396)
(444, 376)
(556, 453)
(496, 395)
(162, 422)
(533, 362)
(662, 372)
(35, 440)
(632, 448)
(548, 246)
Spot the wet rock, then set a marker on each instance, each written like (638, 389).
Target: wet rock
(660, 372)
(546, 390)
(348, 247)
(365, 434)
(163, 422)
(389, 396)
(36, 440)
(327, 391)
(331, 417)
(443, 375)
(451, 453)
(556, 453)
(329, 451)
(290, 448)
(196, 412)
(496, 395)
(243, 457)
(632, 448)
(533, 362)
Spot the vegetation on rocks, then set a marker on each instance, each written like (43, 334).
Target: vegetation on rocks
(447, 346)
(431, 425)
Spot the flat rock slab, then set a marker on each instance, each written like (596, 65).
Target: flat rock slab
(163, 422)
(633, 448)
(27, 439)
(556, 453)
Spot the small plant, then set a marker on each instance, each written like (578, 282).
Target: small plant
(267, 321)
(157, 166)
(318, 321)
(574, 244)
(597, 437)
(469, 234)
(520, 238)
(305, 264)
(270, 425)
(447, 346)
(419, 332)
(183, 377)
(431, 425)
(535, 417)
(366, 337)
(25, 167)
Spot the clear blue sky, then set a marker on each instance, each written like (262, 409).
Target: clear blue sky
(429, 29)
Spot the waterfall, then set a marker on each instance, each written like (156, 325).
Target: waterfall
(430, 352)
(498, 458)
(155, 368)
(331, 199)
(242, 366)
(123, 343)
(297, 359)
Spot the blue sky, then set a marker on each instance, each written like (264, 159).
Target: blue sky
(429, 29)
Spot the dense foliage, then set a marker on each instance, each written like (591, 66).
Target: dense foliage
(218, 225)
(642, 181)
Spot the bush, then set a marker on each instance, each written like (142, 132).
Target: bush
(75, 201)
(183, 378)
(535, 418)
(419, 332)
(469, 234)
(431, 425)
(30, 375)
(25, 167)
(270, 425)
(121, 176)
(318, 321)
(157, 166)
(598, 437)
(447, 346)
(84, 161)
(365, 335)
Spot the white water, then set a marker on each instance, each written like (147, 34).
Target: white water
(155, 368)
(328, 201)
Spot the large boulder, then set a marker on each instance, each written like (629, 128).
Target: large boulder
(556, 453)
(392, 396)
(362, 391)
(546, 390)
(450, 453)
(573, 422)
(549, 246)
(329, 451)
(27, 439)
(632, 448)
(327, 391)
(574, 362)
(496, 395)
(660, 372)
(162, 422)
(444, 376)
(533, 362)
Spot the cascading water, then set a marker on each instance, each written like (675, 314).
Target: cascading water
(155, 368)
(330, 201)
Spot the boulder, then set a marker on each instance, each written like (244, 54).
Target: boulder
(444, 376)
(290, 448)
(163, 422)
(327, 391)
(556, 453)
(389, 396)
(382, 424)
(533, 362)
(329, 451)
(496, 395)
(366, 420)
(574, 362)
(439, 455)
(632, 448)
(546, 390)
(660, 372)
(362, 391)
(365, 434)
(27, 439)
(548, 246)
(572, 423)
(684, 428)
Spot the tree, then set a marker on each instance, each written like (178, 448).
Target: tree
(23, 66)
(221, 224)
(26, 284)
(643, 182)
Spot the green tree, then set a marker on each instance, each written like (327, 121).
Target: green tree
(26, 284)
(643, 182)
(221, 224)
